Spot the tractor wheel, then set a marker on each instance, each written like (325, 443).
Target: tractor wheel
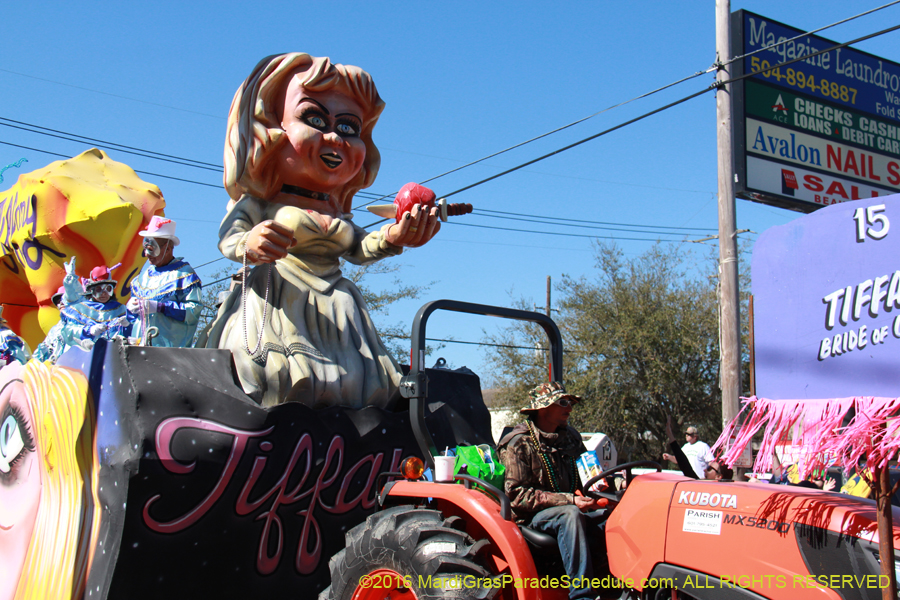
(407, 553)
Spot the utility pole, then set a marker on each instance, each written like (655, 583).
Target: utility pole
(729, 292)
(546, 307)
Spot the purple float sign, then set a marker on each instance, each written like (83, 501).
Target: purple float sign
(826, 291)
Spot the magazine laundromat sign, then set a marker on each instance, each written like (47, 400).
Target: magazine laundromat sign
(821, 130)
(826, 293)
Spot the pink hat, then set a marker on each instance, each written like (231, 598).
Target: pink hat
(100, 275)
(58, 296)
(161, 227)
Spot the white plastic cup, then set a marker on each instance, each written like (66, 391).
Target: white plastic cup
(443, 468)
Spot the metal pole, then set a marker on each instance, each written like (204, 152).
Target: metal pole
(548, 296)
(729, 293)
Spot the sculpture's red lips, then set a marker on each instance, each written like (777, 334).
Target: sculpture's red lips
(331, 160)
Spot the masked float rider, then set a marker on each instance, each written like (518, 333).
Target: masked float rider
(544, 487)
(167, 294)
(53, 345)
(12, 347)
(98, 314)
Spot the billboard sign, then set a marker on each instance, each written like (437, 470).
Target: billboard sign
(820, 131)
(826, 291)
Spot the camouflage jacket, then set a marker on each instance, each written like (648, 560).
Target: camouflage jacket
(527, 483)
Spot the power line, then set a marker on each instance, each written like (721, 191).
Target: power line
(406, 337)
(587, 139)
(193, 112)
(545, 218)
(136, 171)
(559, 233)
(63, 135)
(600, 227)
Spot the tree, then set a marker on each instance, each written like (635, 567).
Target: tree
(394, 336)
(641, 341)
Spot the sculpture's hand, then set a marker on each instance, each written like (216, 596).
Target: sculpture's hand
(415, 227)
(268, 241)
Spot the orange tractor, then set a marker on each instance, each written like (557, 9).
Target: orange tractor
(668, 536)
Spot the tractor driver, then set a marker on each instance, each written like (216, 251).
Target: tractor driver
(543, 485)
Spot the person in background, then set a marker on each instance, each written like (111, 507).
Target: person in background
(543, 485)
(167, 294)
(790, 475)
(53, 345)
(713, 470)
(98, 314)
(697, 452)
(12, 347)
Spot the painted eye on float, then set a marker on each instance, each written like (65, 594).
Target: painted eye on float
(346, 129)
(14, 440)
(316, 121)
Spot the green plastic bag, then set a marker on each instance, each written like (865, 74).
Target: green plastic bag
(482, 462)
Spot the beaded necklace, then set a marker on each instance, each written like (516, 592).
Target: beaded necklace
(548, 466)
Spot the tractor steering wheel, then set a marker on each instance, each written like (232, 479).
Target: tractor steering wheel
(628, 478)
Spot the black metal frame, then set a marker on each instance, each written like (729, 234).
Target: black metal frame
(415, 385)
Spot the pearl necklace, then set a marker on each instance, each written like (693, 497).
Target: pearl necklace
(262, 325)
(548, 466)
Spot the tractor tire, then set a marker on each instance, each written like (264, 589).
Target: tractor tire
(408, 553)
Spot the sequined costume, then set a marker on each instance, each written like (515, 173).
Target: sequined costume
(81, 316)
(53, 345)
(176, 290)
(12, 347)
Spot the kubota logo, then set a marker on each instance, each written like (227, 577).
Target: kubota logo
(707, 499)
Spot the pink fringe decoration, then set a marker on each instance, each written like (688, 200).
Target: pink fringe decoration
(873, 434)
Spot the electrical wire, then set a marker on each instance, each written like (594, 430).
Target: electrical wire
(63, 135)
(666, 107)
(406, 337)
(600, 227)
(210, 262)
(193, 112)
(560, 233)
(587, 139)
(383, 220)
(545, 218)
(558, 129)
(136, 170)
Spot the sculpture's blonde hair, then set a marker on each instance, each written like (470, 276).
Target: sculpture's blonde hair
(68, 518)
(254, 133)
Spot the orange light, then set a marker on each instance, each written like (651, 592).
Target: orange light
(412, 467)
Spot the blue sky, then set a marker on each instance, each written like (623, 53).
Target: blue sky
(461, 80)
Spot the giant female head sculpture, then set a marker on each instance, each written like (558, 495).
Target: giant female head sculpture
(255, 134)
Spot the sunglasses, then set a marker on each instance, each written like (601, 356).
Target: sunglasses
(566, 402)
(689, 434)
(106, 288)
(714, 470)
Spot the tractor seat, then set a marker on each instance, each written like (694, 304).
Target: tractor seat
(538, 539)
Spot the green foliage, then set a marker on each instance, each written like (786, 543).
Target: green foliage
(641, 340)
(209, 297)
(379, 300)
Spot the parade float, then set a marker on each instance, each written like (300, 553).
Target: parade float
(287, 459)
